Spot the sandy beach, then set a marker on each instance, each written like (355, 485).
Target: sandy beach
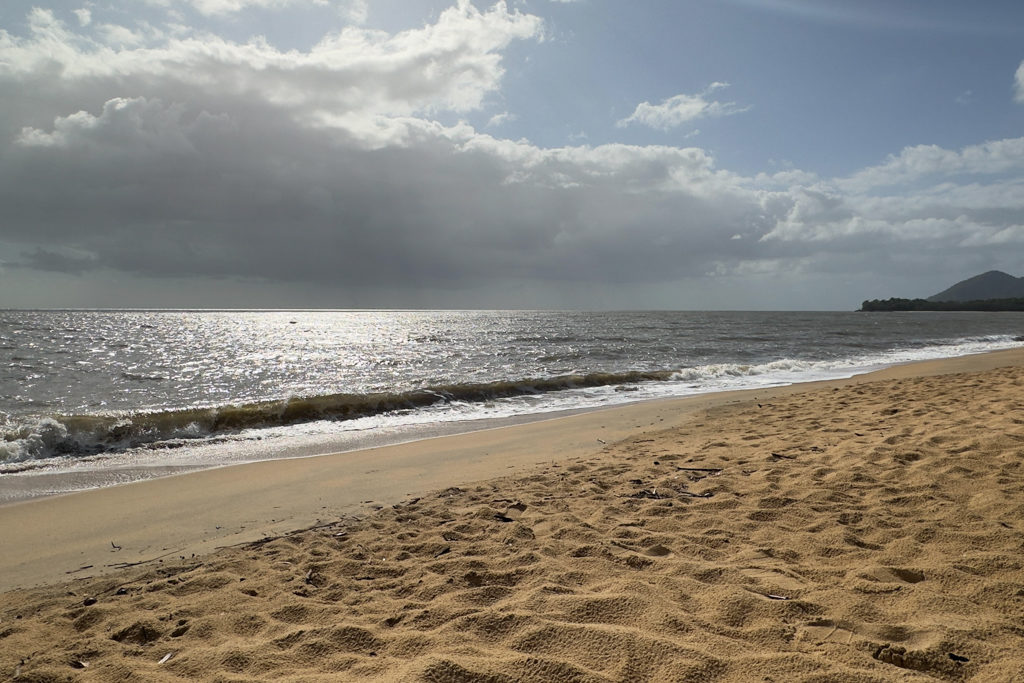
(860, 530)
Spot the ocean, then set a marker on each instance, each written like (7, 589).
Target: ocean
(95, 398)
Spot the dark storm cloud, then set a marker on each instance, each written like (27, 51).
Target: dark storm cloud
(207, 198)
(58, 262)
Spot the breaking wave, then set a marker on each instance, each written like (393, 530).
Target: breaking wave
(25, 441)
(78, 435)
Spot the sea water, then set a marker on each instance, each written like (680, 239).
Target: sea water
(130, 394)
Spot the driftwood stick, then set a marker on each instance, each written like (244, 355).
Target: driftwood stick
(267, 539)
(125, 565)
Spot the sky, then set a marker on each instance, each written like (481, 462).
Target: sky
(561, 154)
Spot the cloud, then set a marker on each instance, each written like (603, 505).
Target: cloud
(196, 158)
(223, 7)
(500, 119)
(928, 162)
(117, 36)
(939, 201)
(355, 11)
(135, 125)
(58, 261)
(154, 189)
(84, 16)
(355, 80)
(1019, 83)
(681, 109)
(153, 186)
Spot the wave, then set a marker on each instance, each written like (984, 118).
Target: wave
(702, 373)
(46, 436)
(784, 370)
(80, 435)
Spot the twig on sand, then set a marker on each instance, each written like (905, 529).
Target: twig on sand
(267, 539)
(125, 565)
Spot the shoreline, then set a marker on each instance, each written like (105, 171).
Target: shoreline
(102, 471)
(95, 531)
(864, 529)
(31, 483)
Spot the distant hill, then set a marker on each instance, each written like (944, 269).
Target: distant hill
(991, 285)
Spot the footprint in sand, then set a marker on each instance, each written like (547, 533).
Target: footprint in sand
(774, 578)
(899, 639)
(930, 661)
(826, 631)
(877, 580)
(892, 575)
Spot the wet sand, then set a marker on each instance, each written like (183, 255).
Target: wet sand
(869, 529)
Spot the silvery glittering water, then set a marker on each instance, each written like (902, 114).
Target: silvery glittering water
(78, 384)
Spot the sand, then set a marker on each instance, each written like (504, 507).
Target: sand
(865, 530)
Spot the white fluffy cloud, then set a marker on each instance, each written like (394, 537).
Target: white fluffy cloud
(500, 119)
(682, 109)
(451, 65)
(356, 11)
(922, 162)
(1019, 83)
(926, 198)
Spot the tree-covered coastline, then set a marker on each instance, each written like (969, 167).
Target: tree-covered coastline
(895, 304)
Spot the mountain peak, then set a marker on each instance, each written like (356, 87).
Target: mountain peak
(994, 284)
